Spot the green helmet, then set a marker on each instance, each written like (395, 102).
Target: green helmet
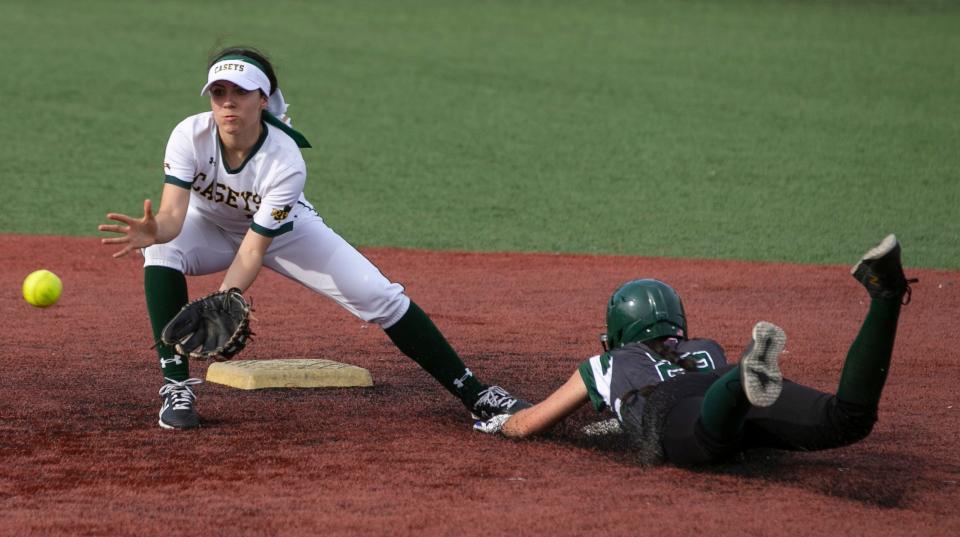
(642, 310)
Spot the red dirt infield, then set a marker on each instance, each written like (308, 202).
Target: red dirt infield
(82, 454)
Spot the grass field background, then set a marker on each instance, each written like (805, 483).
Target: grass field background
(759, 130)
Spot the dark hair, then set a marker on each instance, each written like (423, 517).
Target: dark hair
(671, 355)
(251, 53)
(667, 353)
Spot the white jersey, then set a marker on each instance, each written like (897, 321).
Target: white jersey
(265, 193)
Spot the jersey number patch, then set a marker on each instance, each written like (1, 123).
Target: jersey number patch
(668, 370)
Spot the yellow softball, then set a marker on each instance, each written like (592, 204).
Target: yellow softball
(42, 288)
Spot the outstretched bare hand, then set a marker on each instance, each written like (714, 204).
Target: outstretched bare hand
(137, 233)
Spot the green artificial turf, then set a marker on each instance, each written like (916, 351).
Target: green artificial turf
(760, 130)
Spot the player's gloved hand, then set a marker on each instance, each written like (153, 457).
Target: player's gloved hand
(492, 425)
(216, 326)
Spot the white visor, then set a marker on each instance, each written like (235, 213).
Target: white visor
(241, 72)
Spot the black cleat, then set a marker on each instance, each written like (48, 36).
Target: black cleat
(759, 371)
(177, 411)
(881, 271)
(494, 401)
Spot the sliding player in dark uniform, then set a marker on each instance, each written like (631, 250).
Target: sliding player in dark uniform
(680, 402)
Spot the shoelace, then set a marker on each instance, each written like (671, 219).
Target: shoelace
(181, 396)
(908, 292)
(496, 397)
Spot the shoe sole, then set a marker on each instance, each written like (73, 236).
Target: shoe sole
(760, 370)
(173, 427)
(885, 247)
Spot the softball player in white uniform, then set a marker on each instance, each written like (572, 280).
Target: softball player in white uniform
(233, 200)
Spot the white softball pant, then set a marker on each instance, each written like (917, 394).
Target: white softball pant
(311, 253)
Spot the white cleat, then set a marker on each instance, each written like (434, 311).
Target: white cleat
(759, 370)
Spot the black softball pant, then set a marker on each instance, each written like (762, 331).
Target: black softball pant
(802, 419)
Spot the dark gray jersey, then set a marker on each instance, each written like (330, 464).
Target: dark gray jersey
(634, 366)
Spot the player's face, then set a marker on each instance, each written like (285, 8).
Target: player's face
(235, 109)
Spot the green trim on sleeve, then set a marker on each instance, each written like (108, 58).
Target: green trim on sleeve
(171, 180)
(271, 232)
(586, 373)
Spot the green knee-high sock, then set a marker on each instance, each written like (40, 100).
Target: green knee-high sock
(417, 337)
(166, 291)
(725, 407)
(865, 370)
